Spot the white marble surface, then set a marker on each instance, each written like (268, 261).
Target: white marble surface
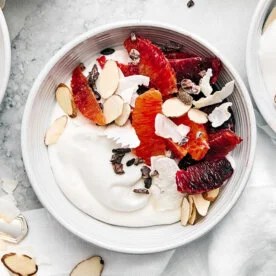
(38, 28)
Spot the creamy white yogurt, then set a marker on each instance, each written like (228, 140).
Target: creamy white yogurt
(267, 54)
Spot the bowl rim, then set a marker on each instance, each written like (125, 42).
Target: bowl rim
(43, 74)
(252, 63)
(7, 54)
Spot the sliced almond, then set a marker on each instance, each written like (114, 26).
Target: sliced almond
(197, 116)
(270, 19)
(108, 79)
(92, 266)
(174, 108)
(122, 119)
(211, 195)
(201, 204)
(55, 130)
(113, 108)
(185, 211)
(192, 213)
(65, 100)
(21, 265)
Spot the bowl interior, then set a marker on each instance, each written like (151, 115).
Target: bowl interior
(36, 119)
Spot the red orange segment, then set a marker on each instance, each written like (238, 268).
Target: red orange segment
(84, 97)
(147, 106)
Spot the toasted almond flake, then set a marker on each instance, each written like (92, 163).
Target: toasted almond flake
(55, 130)
(65, 100)
(220, 114)
(108, 79)
(174, 108)
(8, 209)
(201, 204)
(270, 19)
(124, 136)
(185, 211)
(8, 185)
(92, 266)
(122, 119)
(198, 116)
(217, 97)
(204, 83)
(192, 213)
(18, 264)
(211, 195)
(113, 108)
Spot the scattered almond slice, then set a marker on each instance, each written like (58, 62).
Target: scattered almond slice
(124, 136)
(8, 209)
(92, 266)
(185, 211)
(217, 97)
(204, 83)
(108, 79)
(166, 128)
(198, 116)
(21, 265)
(192, 214)
(220, 114)
(211, 195)
(55, 130)
(201, 204)
(122, 119)
(270, 19)
(174, 108)
(113, 108)
(65, 100)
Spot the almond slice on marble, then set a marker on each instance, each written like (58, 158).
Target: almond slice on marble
(211, 195)
(65, 100)
(174, 108)
(55, 130)
(21, 265)
(108, 80)
(270, 19)
(122, 119)
(113, 108)
(198, 116)
(185, 211)
(201, 204)
(192, 213)
(92, 266)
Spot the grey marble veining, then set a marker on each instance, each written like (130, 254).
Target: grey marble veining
(38, 28)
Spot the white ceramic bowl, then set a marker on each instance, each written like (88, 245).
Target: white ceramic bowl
(36, 119)
(257, 84)
(5, 55)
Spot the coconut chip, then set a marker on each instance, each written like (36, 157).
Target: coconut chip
(217, 97)
(166, 128)
(8, 185)
(204, 83)
(220, 114)
(124, 136)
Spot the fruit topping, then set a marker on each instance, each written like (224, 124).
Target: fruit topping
(108, 79)
(92, 266)
(178, 55)
(197, 140)
(197, 116)
(113, 108)
(186, 162)
(221, 143)
(216, 97)
(174, 107)
(122, 119)
(204, 176)
(147, 106)
(55, 130)
(84, 98)
(153, 64)
(220, 114)
(65, 100)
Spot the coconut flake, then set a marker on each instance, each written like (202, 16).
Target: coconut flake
(8, 209)
(166, 128)
(8, 185)
(220, 114)
(168, 198)
(183, 130)
(129, 85)
(217, 97)
(204, 83)
(124, 136)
